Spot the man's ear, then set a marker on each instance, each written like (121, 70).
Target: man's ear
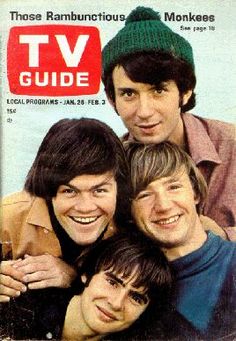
(186, 96)
(113, 104)
(84, 279)
(196, 199)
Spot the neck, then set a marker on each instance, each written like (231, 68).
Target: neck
(192, 242)
(178, 135)
(75, 328)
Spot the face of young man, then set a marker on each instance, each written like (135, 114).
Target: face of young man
(85, 206)
(151, 114)
(166, 212)
(110, 303)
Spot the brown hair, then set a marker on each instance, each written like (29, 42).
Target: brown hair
(127, 254)
(149, 162)
(74, 147)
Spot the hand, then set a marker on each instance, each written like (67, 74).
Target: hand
(11, 280)
(46, 271)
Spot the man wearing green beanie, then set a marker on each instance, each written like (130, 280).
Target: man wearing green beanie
(149, 78)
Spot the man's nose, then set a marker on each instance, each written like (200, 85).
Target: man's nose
(116, 300)
(85, 204)
(162, 201)
(145, 107)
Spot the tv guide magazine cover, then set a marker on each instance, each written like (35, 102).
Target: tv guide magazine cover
(51, 68)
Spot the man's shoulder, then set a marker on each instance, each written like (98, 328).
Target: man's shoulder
(22, 198)
(19, 204)
(17, 198)
(215, 128)
(227, 248)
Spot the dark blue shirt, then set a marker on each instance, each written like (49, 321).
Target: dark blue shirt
(206, 283)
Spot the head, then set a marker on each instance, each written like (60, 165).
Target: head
(81, 169)
(141, 60)
(168, 192)
(122, 276)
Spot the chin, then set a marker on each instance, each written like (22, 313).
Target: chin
(150, 139)
(87, 241)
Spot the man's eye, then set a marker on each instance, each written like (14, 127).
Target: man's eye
(112, 281)
(127, 94)
(138, 298)
(100, 190)
(68, 191)
(143, 195)
(158, 90)
(174, 187)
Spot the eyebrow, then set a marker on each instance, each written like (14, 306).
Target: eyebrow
(117, 279)
(120, 281)
(171, 180)
(168, 181)
(175, 177)
(126, 89)
(161, 84)
(103, 183)
(142, 295)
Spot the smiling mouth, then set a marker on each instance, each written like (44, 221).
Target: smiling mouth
(107, 316)
(168, 221)
(148, 126)
(84, 220)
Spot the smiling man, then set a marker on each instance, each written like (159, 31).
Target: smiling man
(113, 293)
(149, 78)
(85, 206)
(168, 193)
(117, 290)
(76, 192)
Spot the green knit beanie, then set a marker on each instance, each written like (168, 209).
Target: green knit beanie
(144, 31)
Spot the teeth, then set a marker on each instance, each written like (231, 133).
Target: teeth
(168, 221)
(84, 220)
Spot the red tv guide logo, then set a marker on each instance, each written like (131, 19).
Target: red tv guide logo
(54, 60)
